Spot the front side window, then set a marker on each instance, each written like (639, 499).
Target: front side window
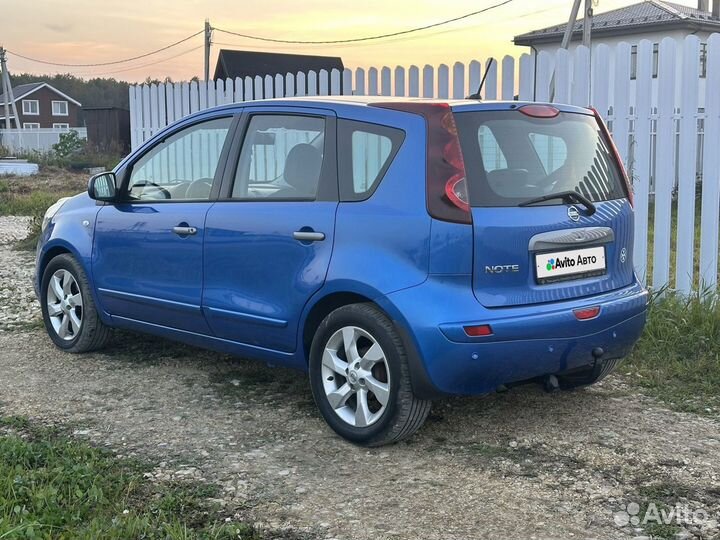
(31, 106)
(181, 167)
(60, 108)
(281, 158)
(365, 152)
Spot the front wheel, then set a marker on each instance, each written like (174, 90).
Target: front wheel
(69, 313)
(360, 378)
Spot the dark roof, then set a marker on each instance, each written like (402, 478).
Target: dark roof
(646, 16)
(21, 90)
(233, 64)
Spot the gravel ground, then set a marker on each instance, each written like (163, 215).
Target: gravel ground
(522, 464)
(19, 306)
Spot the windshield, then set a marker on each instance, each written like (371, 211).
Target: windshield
(511, 158)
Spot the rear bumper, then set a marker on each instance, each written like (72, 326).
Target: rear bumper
(527, 342)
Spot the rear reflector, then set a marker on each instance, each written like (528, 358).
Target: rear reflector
(478, 331)
(585, 314)
(539, 111)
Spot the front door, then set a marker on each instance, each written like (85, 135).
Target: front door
(268, 241)
(147, 258)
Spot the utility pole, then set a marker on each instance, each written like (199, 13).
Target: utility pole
(567, 36)
(587, 23)
(208, 43)
(8, 91)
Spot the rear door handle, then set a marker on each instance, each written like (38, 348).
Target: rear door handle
(184, 231)
(309, 236)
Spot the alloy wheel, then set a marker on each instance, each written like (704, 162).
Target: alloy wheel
(64, 304)
(356, 376)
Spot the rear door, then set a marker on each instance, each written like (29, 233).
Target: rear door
(269, 239)
(551, 250)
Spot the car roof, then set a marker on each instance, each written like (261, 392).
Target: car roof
(457, 105)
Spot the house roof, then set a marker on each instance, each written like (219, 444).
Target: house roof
(24, 90)
(646, 16)
(231, 64)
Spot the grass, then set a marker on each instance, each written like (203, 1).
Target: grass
(678, 357)
(31, 196)
(52, 486)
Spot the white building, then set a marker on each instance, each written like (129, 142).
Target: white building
(652, 20)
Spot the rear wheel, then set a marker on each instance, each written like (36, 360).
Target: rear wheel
(69, 313)
(360, 378)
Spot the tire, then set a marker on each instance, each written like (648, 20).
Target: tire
(357, 389)
(588, 376)
(64, 277)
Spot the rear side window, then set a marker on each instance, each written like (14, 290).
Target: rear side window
(365, 151)
(511, 158)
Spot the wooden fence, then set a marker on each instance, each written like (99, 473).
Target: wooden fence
(667, 127)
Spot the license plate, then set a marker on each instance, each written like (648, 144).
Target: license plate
(572, 264)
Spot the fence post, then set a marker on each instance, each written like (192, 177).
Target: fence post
(428, 81)
(710, 217)
(621, 102)
(372, 89)
(490, 88)
(600, 80)
(562, 76)
(527, 77)
(323, 83)
(385, 81)
(687, 166)
(458, 83)
(474, 76)
(508, 78)
(641, 165)
(580, 92)
(414, 81)
(665, 163)
(443, 81)
(544, 74)
(359, 82)
(399, 81)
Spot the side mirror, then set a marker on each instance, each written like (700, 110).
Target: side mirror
(101, 187)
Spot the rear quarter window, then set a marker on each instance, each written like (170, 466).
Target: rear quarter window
(365, 152)
(511, 158)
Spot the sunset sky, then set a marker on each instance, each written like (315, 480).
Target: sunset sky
(94, 31)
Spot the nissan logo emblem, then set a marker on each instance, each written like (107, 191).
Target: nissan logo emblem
(573, 213)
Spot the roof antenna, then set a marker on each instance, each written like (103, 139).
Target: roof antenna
(490, 62)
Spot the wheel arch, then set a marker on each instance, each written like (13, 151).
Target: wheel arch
(323, 304)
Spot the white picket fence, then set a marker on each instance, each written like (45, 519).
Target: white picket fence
(667, 128)
(39, 140)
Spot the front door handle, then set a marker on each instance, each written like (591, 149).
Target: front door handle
(309, 236)
(184, 231)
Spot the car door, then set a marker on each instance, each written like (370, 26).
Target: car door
(269, 239)
(147, 256)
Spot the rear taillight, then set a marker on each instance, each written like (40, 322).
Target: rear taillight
(446, 183)
(616, 154)
(480, 330)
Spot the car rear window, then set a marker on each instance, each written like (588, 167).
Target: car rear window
(511, 157)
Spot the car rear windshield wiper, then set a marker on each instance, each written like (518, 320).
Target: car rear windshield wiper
(566, 196)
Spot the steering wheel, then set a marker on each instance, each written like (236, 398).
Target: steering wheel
(165, 193)
(199, 189)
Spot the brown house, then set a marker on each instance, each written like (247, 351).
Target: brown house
(40, 105)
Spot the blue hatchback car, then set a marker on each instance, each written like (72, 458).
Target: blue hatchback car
(395, 249)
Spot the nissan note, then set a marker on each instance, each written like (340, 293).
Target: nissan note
(396, 250)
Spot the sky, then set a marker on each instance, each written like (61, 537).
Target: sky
(96, 31)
